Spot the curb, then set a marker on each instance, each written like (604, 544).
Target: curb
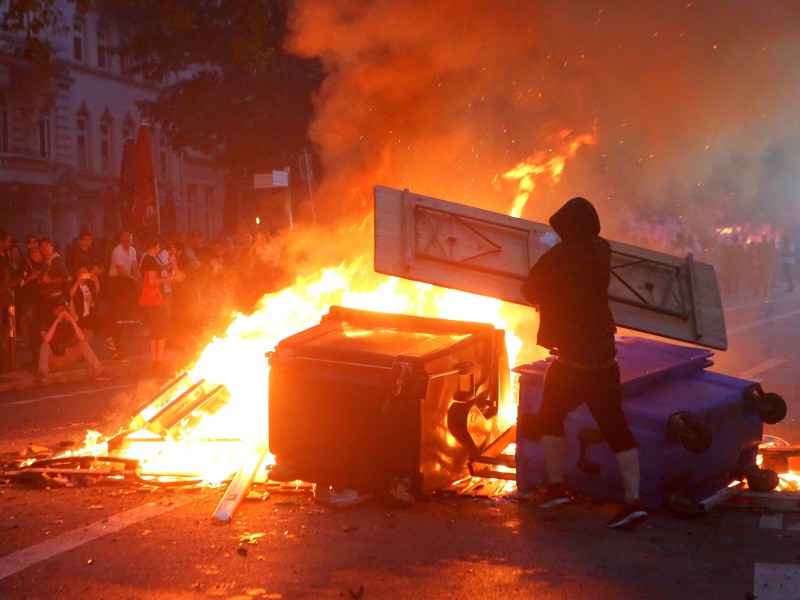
(21, 379)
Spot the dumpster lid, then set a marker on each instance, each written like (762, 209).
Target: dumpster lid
(643, 361)
(379, 338)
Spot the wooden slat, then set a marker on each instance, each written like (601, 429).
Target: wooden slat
(466, 248)
(241, 483)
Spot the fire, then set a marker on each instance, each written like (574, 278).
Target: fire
(549, 164)
(226, 392)
(214, 440)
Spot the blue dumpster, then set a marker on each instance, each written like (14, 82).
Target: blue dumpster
(697, 431)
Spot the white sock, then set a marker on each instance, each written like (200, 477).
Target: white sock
(628, 463)
(553, 449)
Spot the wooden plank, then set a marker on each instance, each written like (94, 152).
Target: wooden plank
(784, 501)
(240, 485)
(474, 250)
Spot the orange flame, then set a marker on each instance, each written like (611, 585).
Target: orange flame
(211, 446)
(549, 164)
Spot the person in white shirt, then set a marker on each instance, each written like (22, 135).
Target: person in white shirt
(124, 281)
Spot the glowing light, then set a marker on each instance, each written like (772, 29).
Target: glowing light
(547, 165)
(214, 440)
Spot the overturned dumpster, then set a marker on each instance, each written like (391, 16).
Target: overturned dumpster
(369, 401)
(698, 431)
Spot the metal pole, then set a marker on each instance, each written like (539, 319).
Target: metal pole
(309, 176)
(289, 196)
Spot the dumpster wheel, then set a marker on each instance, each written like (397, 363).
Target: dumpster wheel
(693, 435)
(771, 408)
(760, 480)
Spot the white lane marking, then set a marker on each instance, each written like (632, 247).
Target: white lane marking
(760, 368)
(752, 324)
(774, 521)
(776, 582)
(21, 402)
(69, 395)
(22, 559)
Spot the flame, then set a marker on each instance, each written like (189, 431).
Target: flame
(229, 381)
(549, 165)
(788, 478)
(208, 446)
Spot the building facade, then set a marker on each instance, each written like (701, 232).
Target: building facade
(61, 136)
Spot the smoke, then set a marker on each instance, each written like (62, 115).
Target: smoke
(692, 102)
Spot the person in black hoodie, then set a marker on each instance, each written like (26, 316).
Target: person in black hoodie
(569, 285)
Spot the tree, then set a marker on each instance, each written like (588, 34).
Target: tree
(224, 84)
(232, 91)
(35, 19)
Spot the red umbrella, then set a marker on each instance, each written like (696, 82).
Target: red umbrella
(144, 184)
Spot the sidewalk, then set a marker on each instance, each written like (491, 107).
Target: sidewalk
(136, 365)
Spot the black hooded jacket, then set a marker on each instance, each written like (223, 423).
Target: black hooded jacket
(569, 284)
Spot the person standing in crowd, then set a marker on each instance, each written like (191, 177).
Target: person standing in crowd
(82, 302)
(763, 259)
(185, 298)
(266, 254)
(123, 290)
(55, 276)
(63, 344)
(732, 263)
(788, 257)
(569, 285)
(28, 296)
(151, 302)
(7, 306)
(82, 254)
(6, 245)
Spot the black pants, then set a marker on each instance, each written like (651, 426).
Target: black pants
(566, 388)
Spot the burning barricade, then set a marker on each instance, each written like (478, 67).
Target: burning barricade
(388, 402)
(406, 405)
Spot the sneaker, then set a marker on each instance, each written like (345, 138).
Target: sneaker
(103, 376)
(119, 357)
(400, 492)
(556, 494)
(110, 345)
(41, 378)
(628, 517)
(525, 495)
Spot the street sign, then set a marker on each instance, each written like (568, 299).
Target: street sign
(263, 181)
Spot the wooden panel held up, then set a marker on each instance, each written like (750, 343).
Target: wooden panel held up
(466, 248)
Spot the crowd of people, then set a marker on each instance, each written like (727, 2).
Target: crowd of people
(752, 262)
(180, 290)
(64, 306)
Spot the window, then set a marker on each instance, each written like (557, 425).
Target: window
(78, 45)
(82, 140)
(4, 141)
(102, 50)
(106, 153)
(45, 145)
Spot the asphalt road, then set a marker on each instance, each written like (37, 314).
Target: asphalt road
(125, 540)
